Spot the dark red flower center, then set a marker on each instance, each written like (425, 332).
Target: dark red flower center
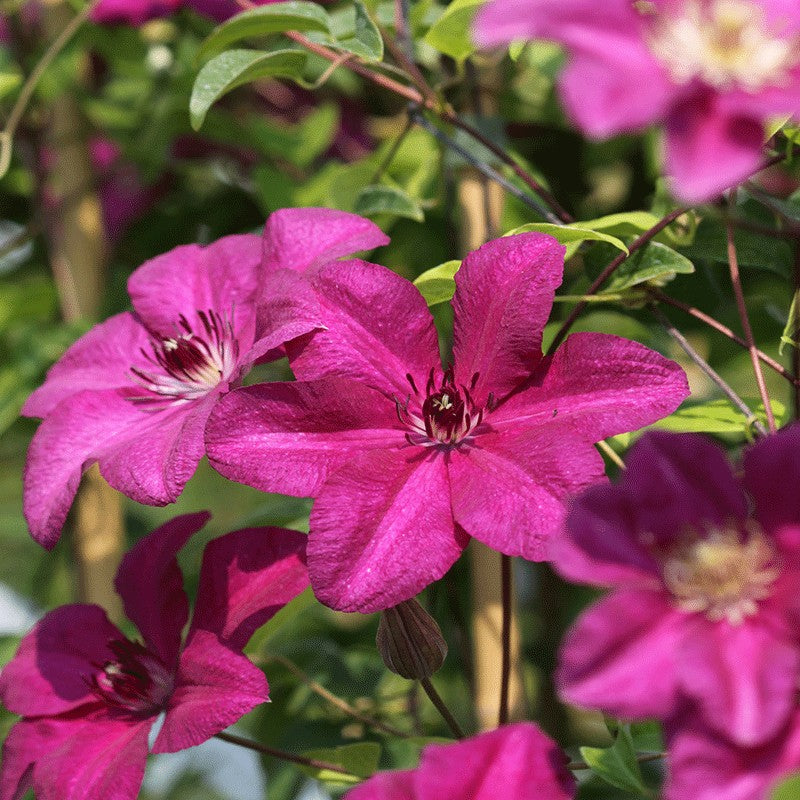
(191, 363)
(448, 415)
(135, 680)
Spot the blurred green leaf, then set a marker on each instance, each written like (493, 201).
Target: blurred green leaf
(365, 39)
(234, 68)
(374, 200)
(787, 790)
(437, 285)
(717, 416)
(617, 764)
(656, 264)
(296, 15)
(571, 235)
(451, 34)
(360, 760)
(792, 327)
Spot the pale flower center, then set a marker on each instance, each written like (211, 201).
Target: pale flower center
(723, 575)
(192, 362)
(725, 43)
(135, 680)
(448, 414)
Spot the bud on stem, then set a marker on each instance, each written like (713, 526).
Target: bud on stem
(410, 641)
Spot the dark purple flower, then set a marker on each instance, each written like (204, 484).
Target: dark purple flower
(705, 571)
(88, 695)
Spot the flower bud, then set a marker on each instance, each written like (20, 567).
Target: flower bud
(410, 641)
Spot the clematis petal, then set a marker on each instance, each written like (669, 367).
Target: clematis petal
(288, 437)
(382, 530)
(223, 277)
(519, 758)
(50, 672)
(709, 149)
(246, 578)
(609, 59)
(148, 456)
(303, 238)
(705, 766)
(99, 757)
(743, 676)
(397, 785)
(601, 385)
(508, 491)
(215, 686)
(601, 90)
(498, 333)
(150, 583)
(771, 476)
(378, 330)
(100, 359)
(603, 546)
(570, 21)
(679, 481)
(622, 656)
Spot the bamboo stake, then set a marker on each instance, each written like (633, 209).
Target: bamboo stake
(77, 251)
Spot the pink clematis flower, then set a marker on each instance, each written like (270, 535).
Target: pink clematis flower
(706, 592)
(135, 392)
(406, 460)
(712, 71)
(89, 696)
(705, 766)
(519, 759)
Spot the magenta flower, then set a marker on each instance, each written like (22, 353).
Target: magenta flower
(705, 766)
(135, 392)
(406, 460)
(88, 695)
(706, 592)
(519, 759)
(712, 71)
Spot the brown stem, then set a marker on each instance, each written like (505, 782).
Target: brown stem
(314, 763)
(610, 270)
(335, 701)
(657, 294)
(505, 568)
(738, 292)
(436, 699)
(714, 376)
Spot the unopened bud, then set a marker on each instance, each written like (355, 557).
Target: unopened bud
(410, 641)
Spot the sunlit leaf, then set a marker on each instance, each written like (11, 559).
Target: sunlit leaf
(234, 68)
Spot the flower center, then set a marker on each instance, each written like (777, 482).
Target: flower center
(724, 43)
(448, 413)
(723, 575)
(191, 363)
(136, 680)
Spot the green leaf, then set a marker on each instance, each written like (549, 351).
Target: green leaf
(656, 264)
(437, 285)
(365, 39)
(571, 235)
(717, 416)
(296, 15)
(629, 223)
(234, 68)
(451, 34)
(617, 764)
(792, 327)
(387, 200)
(787, 790)
(360, 760)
